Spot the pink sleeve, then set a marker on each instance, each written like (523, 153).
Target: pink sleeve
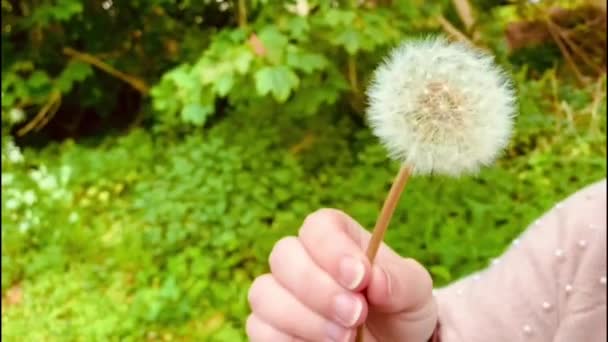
(550, 285)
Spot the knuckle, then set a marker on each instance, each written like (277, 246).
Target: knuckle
(330, 220)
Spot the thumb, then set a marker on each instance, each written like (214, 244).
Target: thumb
(396, 284)
(399, 285)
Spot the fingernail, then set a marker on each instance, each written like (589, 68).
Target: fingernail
(336, 333)
(347, 309)
(352, 272)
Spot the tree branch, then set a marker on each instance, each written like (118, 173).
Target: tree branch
(50, 107)
(139, 84)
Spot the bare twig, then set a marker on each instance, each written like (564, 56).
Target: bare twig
(352, 74)
(44, 114)
(598, 96)
(133, 81)
(304, 144)
(465, 13)
(242, 13)
(453, 31)
(357, 100)
(569, 115)
(564, 50)
(578, 51)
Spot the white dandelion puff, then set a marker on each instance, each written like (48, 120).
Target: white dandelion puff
(438, 107)
(441, 107)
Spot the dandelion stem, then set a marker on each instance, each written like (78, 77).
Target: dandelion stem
(390, 203)
(387, 211)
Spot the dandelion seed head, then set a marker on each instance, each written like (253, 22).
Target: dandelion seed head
(441, 107)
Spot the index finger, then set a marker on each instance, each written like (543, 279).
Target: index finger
(330, 240)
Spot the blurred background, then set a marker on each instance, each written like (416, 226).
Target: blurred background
(154, 150)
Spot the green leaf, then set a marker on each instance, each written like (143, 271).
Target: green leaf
(442, 272)
(65, 9)
(278, 80)
(241, 59)
(75, 71)
(274, 42)
(350, 39)
(182, 77)
(338, 18)
(298, 27)
(305, 61)
(38, 79)
(223, 85)
(196, 114)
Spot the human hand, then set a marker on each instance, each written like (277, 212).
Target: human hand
(315, 291)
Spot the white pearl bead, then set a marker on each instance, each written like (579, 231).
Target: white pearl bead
(546, 306)
(603, 280)
(476, 277)
(559, 253)
(527, 329)
(459, 292)
(495, 261)
(516, 242)
(582, 244)
(568, 288)
(537, 222)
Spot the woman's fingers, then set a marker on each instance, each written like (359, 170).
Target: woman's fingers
(260, 331)
(272, 303)
(334, 240)
(314, 291)
(325, 236)
(293, 268)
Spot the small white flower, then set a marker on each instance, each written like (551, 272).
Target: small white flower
(24, 226)
(301, 8)
(441, 107)
(16, 115)
(12, 203)
(14, 155)
(73, 217)
(65, 174)
(37, 174)
(29, 197)
(7, 179)
(48, 182)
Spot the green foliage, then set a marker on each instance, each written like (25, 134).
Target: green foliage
(165, 235)
(156, 234)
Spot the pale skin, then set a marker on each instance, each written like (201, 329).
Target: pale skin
(321, 288)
